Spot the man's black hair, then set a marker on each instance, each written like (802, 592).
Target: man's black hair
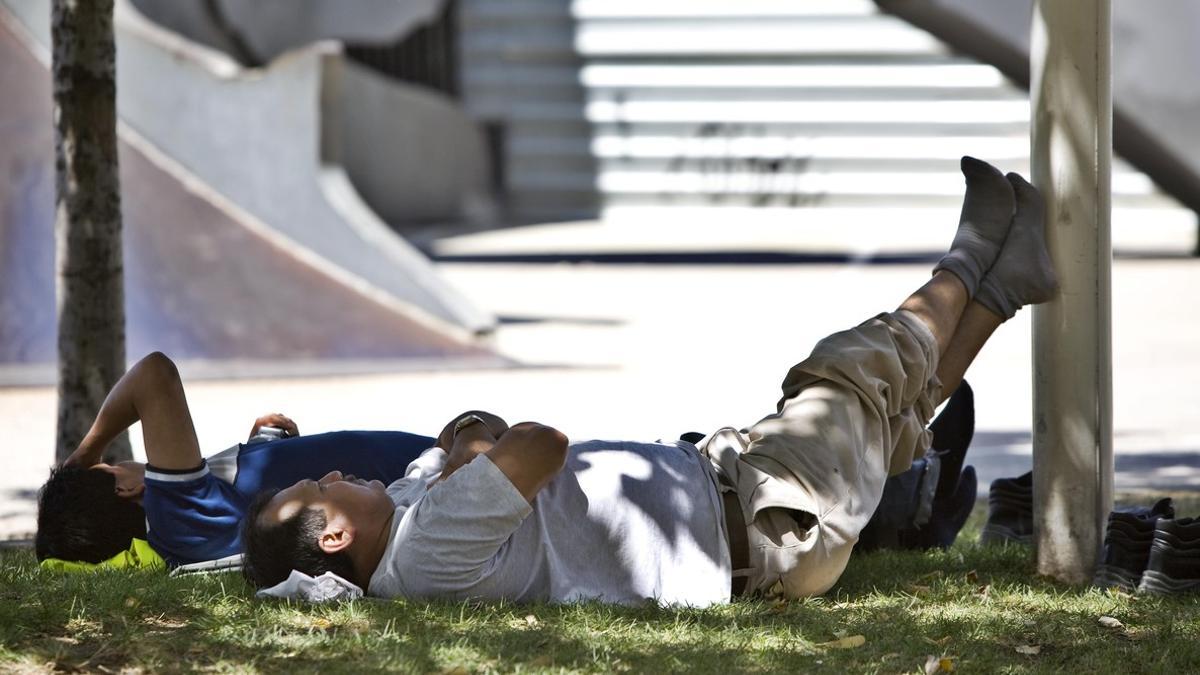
(81, 518)
(272, 552)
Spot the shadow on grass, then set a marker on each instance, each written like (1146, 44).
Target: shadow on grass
(975, 604)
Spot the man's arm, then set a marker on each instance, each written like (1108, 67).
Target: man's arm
(150, 392)
(530, 455)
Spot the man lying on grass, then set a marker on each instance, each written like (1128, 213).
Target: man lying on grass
(189, 509)
(519, 513)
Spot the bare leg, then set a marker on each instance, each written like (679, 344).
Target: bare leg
(974, 329)
(939, 304)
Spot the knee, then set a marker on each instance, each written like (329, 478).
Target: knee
(819, 575)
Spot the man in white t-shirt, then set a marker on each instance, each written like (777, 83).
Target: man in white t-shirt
(520, 514)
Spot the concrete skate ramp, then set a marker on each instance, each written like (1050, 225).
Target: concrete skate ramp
(204, 281)
(264, 29)
(268, 141)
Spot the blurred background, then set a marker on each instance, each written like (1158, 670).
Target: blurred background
(624, 219)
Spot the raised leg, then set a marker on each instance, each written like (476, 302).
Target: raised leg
(939, 304)
(973, 331)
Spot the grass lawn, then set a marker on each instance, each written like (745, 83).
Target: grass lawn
(984, 609)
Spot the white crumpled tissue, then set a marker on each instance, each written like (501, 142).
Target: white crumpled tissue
(328, 587)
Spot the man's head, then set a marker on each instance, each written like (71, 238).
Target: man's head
(90, 514)
(315, 527)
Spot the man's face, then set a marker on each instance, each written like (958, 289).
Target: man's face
(348, 502)
(130, 476)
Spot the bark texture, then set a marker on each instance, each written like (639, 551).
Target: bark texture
(90, 290)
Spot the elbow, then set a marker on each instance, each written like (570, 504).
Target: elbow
(545, 445)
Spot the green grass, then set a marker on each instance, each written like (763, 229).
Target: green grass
(975, 605)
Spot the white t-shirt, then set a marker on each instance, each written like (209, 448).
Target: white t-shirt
(623, 523)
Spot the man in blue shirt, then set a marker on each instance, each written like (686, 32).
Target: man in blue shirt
(186, 507)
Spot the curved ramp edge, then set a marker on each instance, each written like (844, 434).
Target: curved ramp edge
(206, 282)
(255, 136)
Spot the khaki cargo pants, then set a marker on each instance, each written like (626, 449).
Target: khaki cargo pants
(810, 476)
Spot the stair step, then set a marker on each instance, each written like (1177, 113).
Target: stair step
(956, 113)
(841, 183)
(949, 74)
(856, 96)
(762, 111)
(833, 128)
(729, 38)
(756, 189)
(919, 168)
(785, 167)
(557, 81)
(786, 197)
(769, 144)
(659, 9)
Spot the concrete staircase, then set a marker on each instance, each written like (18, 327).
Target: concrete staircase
(819, 126)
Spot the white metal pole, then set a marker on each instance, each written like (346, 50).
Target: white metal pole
(1071, 90)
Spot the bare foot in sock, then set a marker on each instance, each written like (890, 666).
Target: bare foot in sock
(1023, 274)
(986, 215)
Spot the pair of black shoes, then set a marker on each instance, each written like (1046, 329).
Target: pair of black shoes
(1145, 548)
(926, 506)
(1151, 551)
(1010, 511)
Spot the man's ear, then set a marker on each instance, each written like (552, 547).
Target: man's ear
(334, 539)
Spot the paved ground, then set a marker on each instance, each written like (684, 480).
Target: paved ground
(650, 351)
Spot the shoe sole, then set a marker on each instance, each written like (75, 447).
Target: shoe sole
(1157, 583)
(999, 534)
(1111, 576)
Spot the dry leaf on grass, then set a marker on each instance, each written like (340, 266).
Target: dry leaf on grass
(1029, 650)
(972, 577)
(1111, 622)
(938, 664)
(531, 620)
(848, 642)
(940, 642)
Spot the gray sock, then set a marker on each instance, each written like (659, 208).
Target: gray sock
(1023, 273)
(986, 213)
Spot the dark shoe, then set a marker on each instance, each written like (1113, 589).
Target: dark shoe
(926, 506)
(952, 432)
(950, 513)
(1010, 511)
(1174, 564)
(1127, 541)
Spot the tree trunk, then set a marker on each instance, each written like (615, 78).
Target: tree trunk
(87, 223)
